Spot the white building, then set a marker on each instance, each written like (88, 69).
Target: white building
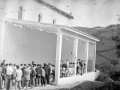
(33, 30)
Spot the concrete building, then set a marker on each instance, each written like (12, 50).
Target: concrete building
(36, 30)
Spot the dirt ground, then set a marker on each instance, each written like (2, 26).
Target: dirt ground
(85, 85)
(50, 87)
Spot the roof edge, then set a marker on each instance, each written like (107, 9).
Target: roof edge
(62, 26)
(85, 34)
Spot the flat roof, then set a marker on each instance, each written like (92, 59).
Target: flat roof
(51, 27)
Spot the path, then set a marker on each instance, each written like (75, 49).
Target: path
(50, 87)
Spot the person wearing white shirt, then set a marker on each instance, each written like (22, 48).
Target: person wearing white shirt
(9, 72)
(70, 70)
(67, 63)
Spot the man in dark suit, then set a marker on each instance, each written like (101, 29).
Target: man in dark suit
(23, 77)
(38, 74)
(47, 73)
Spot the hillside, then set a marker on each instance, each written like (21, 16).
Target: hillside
(106, 51)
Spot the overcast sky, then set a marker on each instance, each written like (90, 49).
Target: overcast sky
(91, 13)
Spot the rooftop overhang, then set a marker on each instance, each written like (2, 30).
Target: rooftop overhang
(33, 25)
(73, 30)
(49, 27)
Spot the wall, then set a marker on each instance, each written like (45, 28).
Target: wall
(73, 79)
(32, 8)
(23, 45)
(1, 6)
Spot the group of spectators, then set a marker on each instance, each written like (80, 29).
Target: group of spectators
(34, 75)
(80, 69)
(25, 75)
(67, 68)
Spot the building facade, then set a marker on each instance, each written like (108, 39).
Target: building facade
(34, 10)
(39, 31)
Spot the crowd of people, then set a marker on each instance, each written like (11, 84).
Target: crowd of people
(34, 75)
(80, 69)
(25, 75)
(67, 68)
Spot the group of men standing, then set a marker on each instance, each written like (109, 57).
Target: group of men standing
(24, 75)
(80, 69)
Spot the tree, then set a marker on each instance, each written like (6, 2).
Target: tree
(117, 40)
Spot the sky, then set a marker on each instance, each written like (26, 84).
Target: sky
(92, 13)
(89, 13)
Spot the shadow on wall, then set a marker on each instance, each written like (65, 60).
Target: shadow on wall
(24, 45)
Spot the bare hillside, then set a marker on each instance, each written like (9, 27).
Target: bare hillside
(106, 50)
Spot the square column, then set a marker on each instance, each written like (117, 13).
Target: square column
(75, 50)
(2, 30)
(58, 57)
(94, 60)
(87, 52)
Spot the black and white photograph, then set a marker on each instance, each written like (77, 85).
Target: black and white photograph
(59, 44)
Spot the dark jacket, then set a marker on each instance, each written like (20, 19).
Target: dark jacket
(46, 68)
(3, 69)
(38, 70)
(23, 70)
(32, 74)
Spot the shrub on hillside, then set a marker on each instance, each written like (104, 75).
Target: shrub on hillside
(115, 75)
(106, 67)
(112, 71)
(109, 86)
(103, 78)
(88, 85)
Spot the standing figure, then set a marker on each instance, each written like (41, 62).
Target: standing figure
(46, 73)
(50, 72)
(83, 66)
(3, 63)
(18, 78)
(43, 81)
(64, 66)
(0, 77)
(32, 76)
(9, 73)
(14, 74)
(23, 76)
(27, 72)
(53, 71)
(3, 76)
(78, 68)
(38, 74)
(70, 69)
(67, 64)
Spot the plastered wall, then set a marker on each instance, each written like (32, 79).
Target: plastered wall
(24, 45)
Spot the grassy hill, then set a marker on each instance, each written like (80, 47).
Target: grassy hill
(106, 50)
